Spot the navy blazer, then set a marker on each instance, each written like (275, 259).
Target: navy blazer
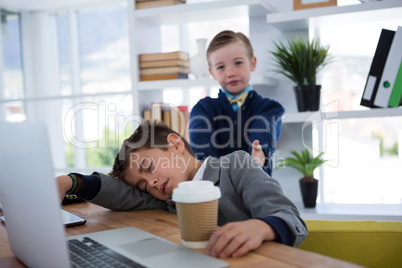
(217, 130)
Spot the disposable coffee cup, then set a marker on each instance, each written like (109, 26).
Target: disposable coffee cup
(197, 211)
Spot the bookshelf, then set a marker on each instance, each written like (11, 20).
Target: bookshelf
(289, 23)
(302, 117)
(269, 20)
(303, 20)
(205, 82)
(212, 10)
(286, 22)
(317, 17)
(145, 31)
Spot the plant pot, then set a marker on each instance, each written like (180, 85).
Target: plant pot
(308, 97)
(309, 192)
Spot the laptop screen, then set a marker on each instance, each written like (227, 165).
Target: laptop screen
(29, 196)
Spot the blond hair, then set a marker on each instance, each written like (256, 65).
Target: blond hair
(227, 37)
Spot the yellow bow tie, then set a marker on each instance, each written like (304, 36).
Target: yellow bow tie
(239, 100)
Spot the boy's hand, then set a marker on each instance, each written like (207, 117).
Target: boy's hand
(257, 153)
(237, 238)
(64, 183)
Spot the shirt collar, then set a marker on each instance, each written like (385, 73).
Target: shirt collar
(197, 177)
(248, 89)
(200, 172)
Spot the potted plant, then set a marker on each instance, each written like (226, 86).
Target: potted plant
(306, 164)
(300, 61)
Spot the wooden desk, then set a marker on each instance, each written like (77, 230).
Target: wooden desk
(164, 224)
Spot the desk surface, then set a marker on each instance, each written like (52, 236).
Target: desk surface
(164, 224)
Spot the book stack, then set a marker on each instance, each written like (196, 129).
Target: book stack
(384, 82)
(164, 66)
(175, 117)
(140, 4)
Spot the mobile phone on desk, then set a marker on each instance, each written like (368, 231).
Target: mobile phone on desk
(69, 219)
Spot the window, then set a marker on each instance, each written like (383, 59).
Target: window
(12, 75)
(64, 54)
(367, 154)
(106, 123)
(95, 82)
(365, 161)
(104, 50)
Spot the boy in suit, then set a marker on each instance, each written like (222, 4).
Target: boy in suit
(239, 118)
(155, 159)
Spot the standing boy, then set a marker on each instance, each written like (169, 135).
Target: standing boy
(239, 119)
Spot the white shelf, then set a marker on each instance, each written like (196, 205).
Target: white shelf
(179, 83)
(214, 10)
(351, 212)
(318, 17)
(320, 116)
(192, 12)
(203, 82)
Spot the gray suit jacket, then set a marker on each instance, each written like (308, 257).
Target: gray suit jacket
(247, 192)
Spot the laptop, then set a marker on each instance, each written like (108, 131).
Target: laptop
(31, 206)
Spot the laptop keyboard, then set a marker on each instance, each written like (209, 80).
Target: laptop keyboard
(89, 253)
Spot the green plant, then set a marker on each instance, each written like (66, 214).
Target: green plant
(305, 163)
(301, 60)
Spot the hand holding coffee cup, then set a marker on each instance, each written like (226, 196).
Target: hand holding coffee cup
(197, 211)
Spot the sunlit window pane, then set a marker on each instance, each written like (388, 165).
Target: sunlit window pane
(104, 50)
(12, 68)
(365, 165)
(12, 63)
(64, 56)
(106, 122)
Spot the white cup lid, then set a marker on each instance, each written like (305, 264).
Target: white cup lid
(196, 191)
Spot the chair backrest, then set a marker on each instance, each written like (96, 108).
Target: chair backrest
(367, 243)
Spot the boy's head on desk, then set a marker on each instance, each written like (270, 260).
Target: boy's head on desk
(155, 159)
